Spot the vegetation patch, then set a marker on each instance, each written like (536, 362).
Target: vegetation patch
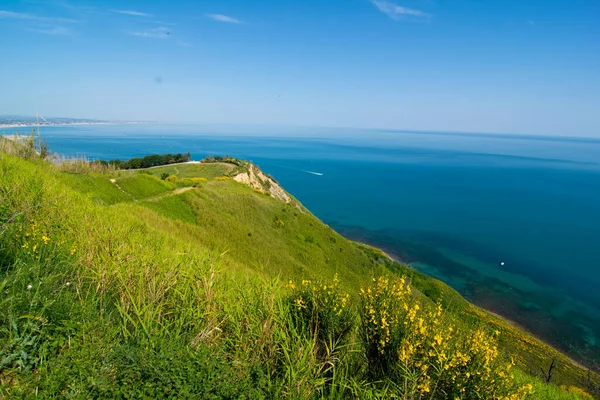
(153, 160)
(97, 186)
(174, 207)
(142, 186)
(195, 170)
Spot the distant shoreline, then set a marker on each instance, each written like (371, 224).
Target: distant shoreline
(46, 125)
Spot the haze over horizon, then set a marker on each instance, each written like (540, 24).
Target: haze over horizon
(463, 66)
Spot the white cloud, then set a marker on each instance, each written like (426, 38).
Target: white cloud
(32, 17)
(40, 24)
(9, 14)
(51, 30)
(133, 13)
(223, 18)
(182, 43)
(163, 23)
(395, 11)
(158, 33)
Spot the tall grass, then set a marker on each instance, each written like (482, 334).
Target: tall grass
(81, 165)
(24, 146)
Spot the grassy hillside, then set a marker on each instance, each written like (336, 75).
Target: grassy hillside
(211, 170)
(121, 285)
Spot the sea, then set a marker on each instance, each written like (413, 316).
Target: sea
(512, 222)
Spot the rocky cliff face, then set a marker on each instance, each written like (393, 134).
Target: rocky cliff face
(256, 179)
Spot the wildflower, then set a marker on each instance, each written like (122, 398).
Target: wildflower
(68, 284)
(29, 287)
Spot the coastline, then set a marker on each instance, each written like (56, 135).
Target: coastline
(46, 125)
(499, 317)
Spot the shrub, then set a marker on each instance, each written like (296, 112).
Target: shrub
(384, 307)
(310, 239)
(171, 178)
(322, 311)
(417, 347)
(278, 222)
(152, 160)
(28, 147)
(262, 192)
(164, 175)
(576, 391)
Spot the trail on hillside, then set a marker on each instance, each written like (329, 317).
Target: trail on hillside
(114, 182)
(153, 198)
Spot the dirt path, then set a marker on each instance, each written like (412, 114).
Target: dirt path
(154, 198)
(114, 182)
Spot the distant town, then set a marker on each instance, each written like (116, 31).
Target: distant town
(19, 121)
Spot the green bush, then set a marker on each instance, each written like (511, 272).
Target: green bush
(278, 222)
(322, 310)
(427, 354)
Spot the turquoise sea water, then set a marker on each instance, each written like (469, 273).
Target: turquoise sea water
(455, 206)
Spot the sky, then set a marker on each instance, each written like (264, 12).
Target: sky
(502, 66)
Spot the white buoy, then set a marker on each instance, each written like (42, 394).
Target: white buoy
(502, 263)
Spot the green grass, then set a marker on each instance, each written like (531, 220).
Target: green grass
(142, 186)
(208, 171)
(273, 237)
(97, 186)
(185, 295)
(542, 390)
(173, 207)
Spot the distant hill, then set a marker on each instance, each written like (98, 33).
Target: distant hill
(25, 120)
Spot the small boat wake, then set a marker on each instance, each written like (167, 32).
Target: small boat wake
(294, 169)
(313, 173)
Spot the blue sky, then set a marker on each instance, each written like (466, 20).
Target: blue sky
(509, 66)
